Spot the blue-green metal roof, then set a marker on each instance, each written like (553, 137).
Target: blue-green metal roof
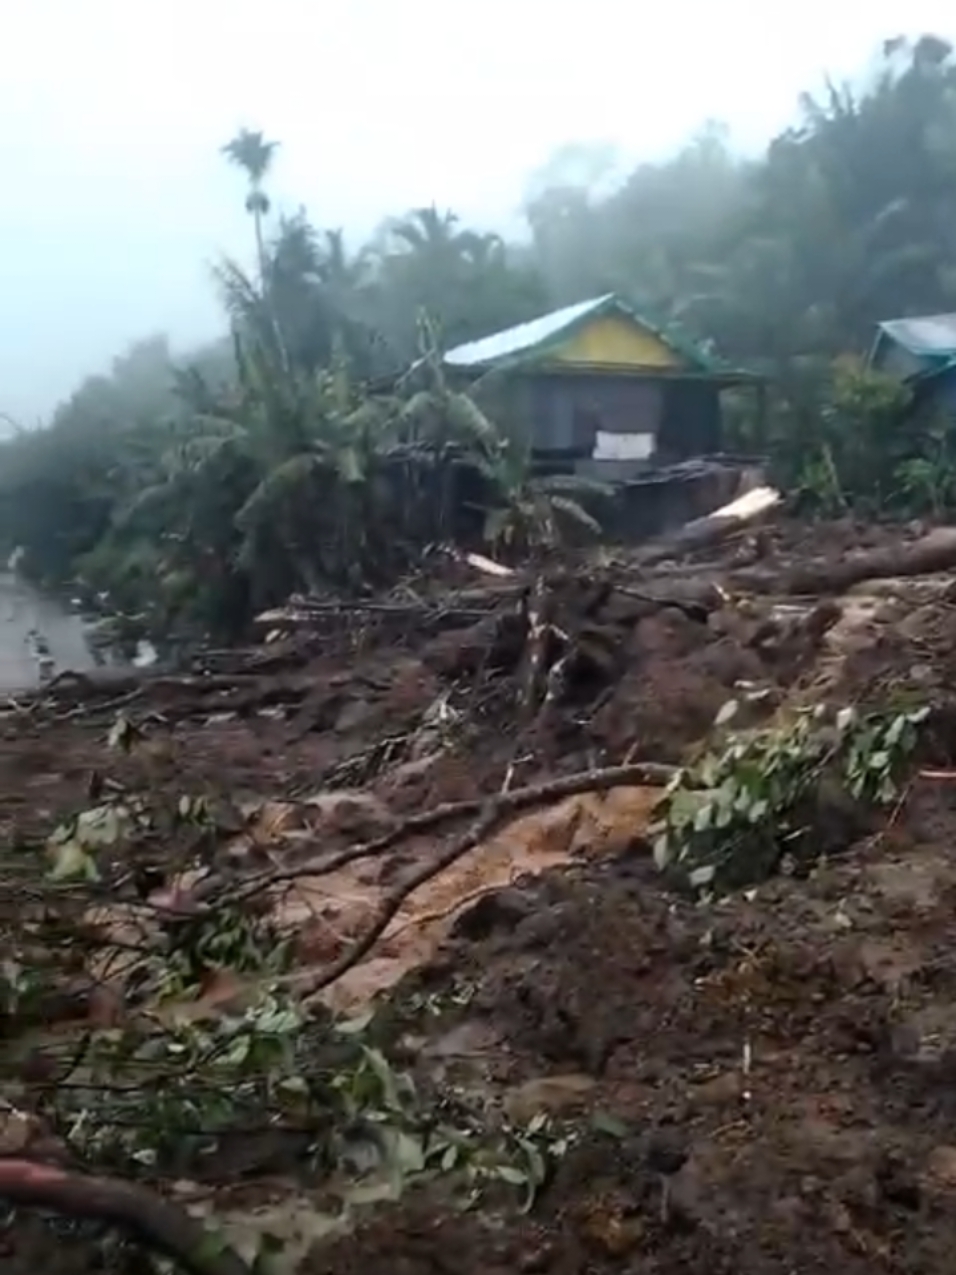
(534, 341)
(930, 336)
(929, 339)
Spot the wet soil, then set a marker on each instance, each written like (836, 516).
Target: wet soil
(764, 1084)
(799, 1046)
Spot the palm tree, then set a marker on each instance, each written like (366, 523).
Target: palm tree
(427, 230)
(339, 270)
(253, 154)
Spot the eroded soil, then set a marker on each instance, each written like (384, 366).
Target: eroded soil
(792, 1048)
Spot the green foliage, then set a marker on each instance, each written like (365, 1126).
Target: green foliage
(928, 481)
(75, 844)
(532, 513)
(228, 939)
(277, 1063)
(865, 430)
(869, 449)
(729, 817)
(876, 748)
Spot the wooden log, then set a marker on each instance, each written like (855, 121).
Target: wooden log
(931, 553)
(713, 527)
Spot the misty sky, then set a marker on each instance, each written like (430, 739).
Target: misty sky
(115, 199)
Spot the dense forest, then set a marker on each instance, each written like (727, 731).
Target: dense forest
(295, 454)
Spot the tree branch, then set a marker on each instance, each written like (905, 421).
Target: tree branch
(164, 1227)
(653, 774)
(492, 810)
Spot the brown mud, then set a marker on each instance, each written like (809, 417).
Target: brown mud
(792, 1047)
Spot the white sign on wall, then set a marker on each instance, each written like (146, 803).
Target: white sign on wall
(623, 446)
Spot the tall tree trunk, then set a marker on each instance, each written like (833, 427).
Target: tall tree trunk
(260, 248)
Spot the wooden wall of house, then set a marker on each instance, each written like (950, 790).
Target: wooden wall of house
(690, 422)
(558, 415)
(563, 412)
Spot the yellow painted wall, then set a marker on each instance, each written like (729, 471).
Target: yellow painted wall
(616, 342)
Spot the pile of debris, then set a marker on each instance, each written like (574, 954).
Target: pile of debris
(380, 793)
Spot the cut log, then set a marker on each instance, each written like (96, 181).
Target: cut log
(713, 527)
(935, 552)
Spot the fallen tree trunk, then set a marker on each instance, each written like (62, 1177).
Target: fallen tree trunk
(294, 618)
(161, 1226)
(713, 527)
(935, 552)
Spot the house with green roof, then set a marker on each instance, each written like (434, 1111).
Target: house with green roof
(602, 388)
(921, 352)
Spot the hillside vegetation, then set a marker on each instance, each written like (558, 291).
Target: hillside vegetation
(195, 493)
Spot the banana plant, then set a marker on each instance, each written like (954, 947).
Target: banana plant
(534, 513)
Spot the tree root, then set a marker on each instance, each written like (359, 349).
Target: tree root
(159, 1225)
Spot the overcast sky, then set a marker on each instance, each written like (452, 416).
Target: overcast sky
(114, 198)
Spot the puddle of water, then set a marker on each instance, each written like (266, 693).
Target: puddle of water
(26, 613)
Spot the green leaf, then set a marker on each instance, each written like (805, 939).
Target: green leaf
(895, 730)
(210, 1249)
(268, 1257)
(610, 1125)
(684, 806)
(662, 852)
(73, 862)
(296, 1085)
(350, 466)
(356, 1026)
(408, 1152)
(845, 718)
(537, 1169)
(377, 1061)
(102, 826)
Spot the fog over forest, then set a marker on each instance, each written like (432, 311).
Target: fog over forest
(115, 202)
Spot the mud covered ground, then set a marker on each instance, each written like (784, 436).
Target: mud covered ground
(766, 1083)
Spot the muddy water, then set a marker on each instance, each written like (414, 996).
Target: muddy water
(22, 609)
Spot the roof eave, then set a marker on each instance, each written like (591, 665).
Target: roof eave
(878, 339)
(925, 375)
(536, 355)
(727, 377)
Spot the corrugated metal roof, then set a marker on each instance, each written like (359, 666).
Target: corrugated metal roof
(523, 337)
(931, 335)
